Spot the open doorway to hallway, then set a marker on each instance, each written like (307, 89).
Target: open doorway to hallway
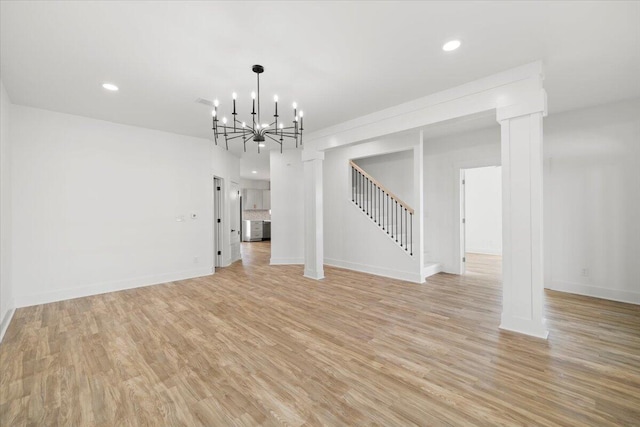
(481, 197)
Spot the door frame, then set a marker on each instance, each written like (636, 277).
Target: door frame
(218, 227)
(458, 200)
(233, 256)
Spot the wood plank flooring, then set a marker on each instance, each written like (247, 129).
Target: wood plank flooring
(261, 345)
(483, 265)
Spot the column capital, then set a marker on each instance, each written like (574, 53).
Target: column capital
(308, 155)
(534, 103)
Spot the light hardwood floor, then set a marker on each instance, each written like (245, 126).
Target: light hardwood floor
(484, 265)
(261, 345)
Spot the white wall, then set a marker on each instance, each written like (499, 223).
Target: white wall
(351, 239)
(592, 201)
(591, 197)
(95, 205)
(394, 171)
(7, 302)
(257, 184)
(287, 207)
(483, 210)
(443, 158)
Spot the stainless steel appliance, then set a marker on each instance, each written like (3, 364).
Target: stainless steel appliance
(266, 230)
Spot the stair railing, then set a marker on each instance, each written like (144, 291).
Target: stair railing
(385, 208)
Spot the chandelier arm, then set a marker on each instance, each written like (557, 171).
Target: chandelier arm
(278, 142)
(288, 135)
(244, 142)
(273, 139)
(236, 137)
(279, 131)
(246, 129)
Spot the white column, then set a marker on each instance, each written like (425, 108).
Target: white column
(522, 262)
(313, 218)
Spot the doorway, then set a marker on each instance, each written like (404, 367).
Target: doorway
(481, 213)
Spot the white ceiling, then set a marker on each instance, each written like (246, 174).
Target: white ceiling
(338, 60)
(252, 161)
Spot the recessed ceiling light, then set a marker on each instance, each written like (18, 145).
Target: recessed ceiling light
(254, 171)
(451, 45)
(110, 86)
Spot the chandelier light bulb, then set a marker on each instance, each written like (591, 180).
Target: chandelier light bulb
(234, 96)
(295, 118)
(244, 125)
(295, 105)
(224, 120)
(275, 98)
(301, 113)
(215, 103)
(253, 95)
(261, 145)
(264, 125)
(213, 113)
(281, 125)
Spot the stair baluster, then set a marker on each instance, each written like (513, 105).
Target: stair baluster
(384, 208)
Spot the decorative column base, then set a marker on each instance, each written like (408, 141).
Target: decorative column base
(313, 274)
(525, 326)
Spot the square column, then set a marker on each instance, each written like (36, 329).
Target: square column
(522, 213)
(313, 215)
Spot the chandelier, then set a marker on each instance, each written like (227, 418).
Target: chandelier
(257, 130)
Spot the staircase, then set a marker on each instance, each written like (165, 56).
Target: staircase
(392, 215)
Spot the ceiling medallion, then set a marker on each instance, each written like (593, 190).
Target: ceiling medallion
(256, 130)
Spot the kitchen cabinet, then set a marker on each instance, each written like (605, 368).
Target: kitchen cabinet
(252, 199)
(252, 231)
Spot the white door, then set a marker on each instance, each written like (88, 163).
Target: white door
(463, 224)
(234, 212)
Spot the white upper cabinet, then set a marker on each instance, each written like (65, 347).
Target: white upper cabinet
(252, 199)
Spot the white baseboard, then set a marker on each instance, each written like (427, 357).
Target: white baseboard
(286, 261)
(483, 251)
(102, 288)
(594, 291)
(431, 268)
(377, 271)
(7, 319)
